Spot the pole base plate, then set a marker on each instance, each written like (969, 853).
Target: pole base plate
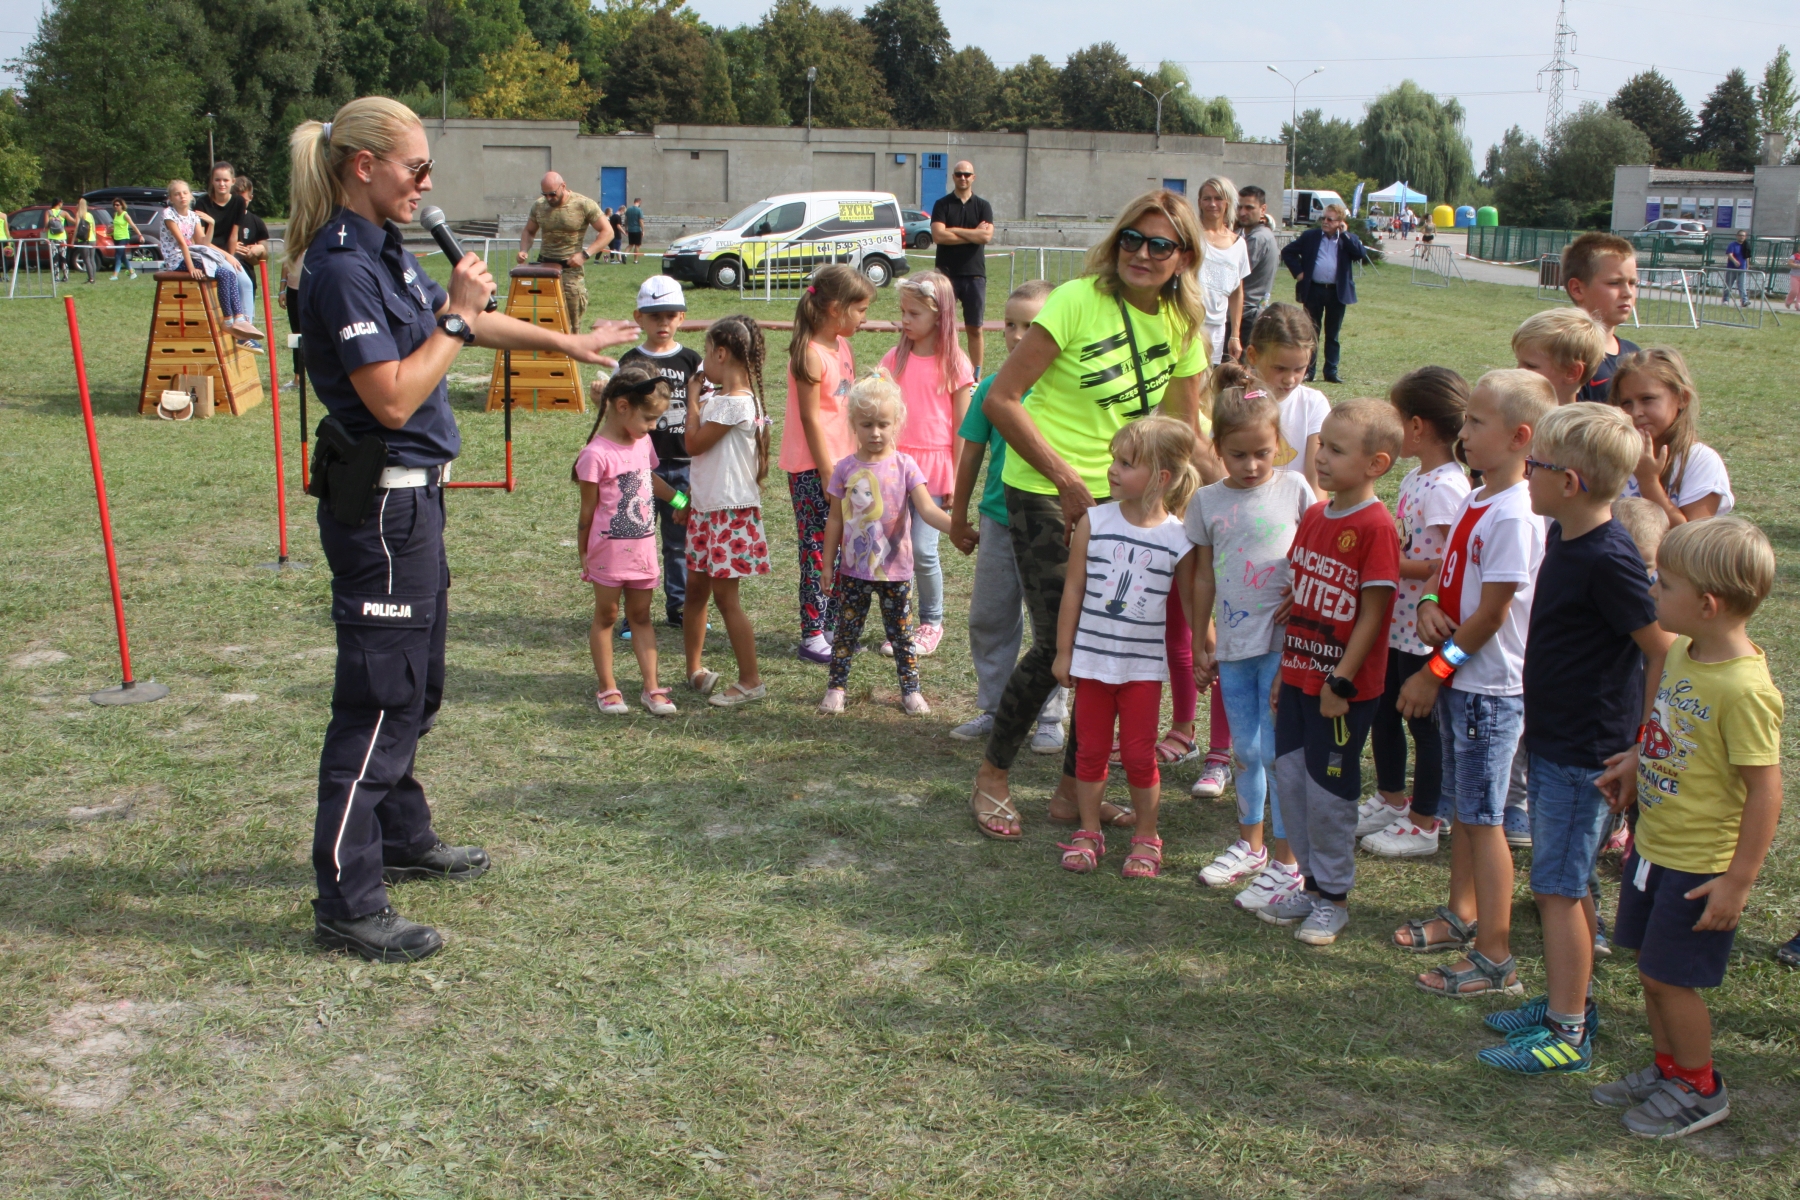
(142, 692)
(287, 565)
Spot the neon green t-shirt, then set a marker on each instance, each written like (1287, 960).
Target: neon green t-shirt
(1091, 390)
(121, 225)
(1710, 719)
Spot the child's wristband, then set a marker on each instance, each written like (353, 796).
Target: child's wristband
(1453, 654)
(1431, 596)
(679, 501)
(1439, 666)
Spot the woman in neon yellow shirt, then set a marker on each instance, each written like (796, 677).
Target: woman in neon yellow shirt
(1116, 344)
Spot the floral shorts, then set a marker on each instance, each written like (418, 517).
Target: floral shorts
(727, 543)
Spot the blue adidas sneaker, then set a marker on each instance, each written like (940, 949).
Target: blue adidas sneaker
(1530, 1015)
(1540, 1052)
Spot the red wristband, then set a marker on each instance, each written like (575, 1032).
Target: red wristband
(1440, 666)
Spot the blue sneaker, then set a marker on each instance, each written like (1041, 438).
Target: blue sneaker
(1517, 824)
(1540, 1052)
(1530, 1015)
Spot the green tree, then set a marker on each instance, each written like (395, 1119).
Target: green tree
(1589, 144)
(384, 46)
(718, 106)
(968, 90)
(20, 169)
(663, 77)
(527, 81)
(1728, 124)
(1649, 101)
(1325, 147)
(1097, 91)
(1408, 135)
(1189, 112)
(911, 46)
(108, 97)
(755, 90)
(1030, 96)
(849, 93)
(1777, 99)
(1514, 170)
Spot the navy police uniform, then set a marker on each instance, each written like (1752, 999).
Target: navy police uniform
(364, 299)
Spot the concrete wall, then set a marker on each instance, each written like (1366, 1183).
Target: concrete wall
(490, 168)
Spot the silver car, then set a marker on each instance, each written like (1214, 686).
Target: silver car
(1676, 231)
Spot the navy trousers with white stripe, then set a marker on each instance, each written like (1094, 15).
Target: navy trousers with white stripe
(389, 600)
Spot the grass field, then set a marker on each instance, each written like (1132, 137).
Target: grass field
(730, 954)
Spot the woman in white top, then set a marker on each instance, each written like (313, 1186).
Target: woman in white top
(1223, 269)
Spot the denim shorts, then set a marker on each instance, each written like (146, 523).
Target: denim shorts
(1480, 734)
(1657, 920)
(1568, 819)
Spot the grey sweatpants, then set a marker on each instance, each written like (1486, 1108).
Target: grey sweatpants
(1318, 779)
(997, 623)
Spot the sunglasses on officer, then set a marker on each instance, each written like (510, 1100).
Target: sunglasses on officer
(1160, 248)
(420, 171)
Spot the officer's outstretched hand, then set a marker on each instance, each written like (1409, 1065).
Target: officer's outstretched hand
(588, 347)
(470, 285)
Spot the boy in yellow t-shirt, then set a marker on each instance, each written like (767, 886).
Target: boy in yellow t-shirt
(1708, 788)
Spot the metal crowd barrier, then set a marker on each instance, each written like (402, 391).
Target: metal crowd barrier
(780, 268)
(28, 268)
(1435, 266)
(1666, 299)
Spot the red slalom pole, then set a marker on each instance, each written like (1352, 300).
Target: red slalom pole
(509, 483)
(281, 563)
(130, 691)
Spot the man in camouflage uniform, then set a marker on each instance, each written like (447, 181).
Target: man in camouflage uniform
(564, 216)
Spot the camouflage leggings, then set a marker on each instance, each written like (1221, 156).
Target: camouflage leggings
(1040, 545)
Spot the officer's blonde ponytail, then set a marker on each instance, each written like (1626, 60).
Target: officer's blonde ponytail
(318, 152)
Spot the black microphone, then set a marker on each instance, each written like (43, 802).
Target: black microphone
(431, 220)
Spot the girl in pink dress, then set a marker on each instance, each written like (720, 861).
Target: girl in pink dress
(934, 377)
(617, 531)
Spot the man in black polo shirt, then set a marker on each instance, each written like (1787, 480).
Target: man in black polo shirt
(961, 224)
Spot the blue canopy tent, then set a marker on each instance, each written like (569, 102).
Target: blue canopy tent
(1398, 193)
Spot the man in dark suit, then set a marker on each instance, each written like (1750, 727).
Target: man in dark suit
(1320, 261)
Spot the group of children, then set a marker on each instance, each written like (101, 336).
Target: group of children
(1555, 611)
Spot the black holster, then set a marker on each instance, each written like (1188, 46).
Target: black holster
(346, 471)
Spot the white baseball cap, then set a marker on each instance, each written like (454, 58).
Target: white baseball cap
(659, 293)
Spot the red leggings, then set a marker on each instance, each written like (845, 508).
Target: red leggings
(1184, 694)
(1135, 706)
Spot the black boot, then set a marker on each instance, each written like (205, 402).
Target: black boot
(385, 936)
(457, 863)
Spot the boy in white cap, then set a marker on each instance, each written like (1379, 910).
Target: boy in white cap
(660, 310)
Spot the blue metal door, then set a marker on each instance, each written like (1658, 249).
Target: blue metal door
(612, 187)
(932, 177)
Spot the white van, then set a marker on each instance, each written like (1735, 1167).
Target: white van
(1309, 203)
(792, 235)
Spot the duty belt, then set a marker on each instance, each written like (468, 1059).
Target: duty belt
(414, 477)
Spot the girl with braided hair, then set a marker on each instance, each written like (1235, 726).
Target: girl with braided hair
(728, 438)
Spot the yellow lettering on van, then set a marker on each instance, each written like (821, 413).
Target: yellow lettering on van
(856, 210)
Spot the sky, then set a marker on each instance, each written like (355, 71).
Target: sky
(1490, 63)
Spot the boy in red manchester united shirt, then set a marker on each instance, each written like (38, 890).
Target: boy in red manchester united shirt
(1346, 562)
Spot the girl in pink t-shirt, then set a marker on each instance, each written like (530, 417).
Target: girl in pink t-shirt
(935, 377)
(617, 532)
(816, 434)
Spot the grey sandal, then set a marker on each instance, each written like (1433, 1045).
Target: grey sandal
(1460, 934)
(1490, 976)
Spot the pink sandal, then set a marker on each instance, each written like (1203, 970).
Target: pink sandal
(1176, 747)
(1082, 859)
(1149, 872)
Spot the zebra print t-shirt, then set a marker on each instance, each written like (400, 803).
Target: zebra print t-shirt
(1130, 584)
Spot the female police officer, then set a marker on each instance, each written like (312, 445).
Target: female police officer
(380, 336)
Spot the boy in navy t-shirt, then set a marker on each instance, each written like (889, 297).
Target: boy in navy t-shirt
(1593, 629)
(1599, 272)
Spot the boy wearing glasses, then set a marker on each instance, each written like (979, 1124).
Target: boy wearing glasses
(962, 224)
(1593, 645)
(1475, 612)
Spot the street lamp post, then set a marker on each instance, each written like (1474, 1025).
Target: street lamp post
(812, 74)
(1294, 124)
(1138, 84)
(211, 157)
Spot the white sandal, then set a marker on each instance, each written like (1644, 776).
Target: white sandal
(704, 681)
(737, 694)
(656, 702)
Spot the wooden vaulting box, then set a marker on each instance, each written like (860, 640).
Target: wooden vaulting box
(540, 378)
(188, 337)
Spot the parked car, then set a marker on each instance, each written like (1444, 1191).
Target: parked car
(918, 228)
(789, 236)
(27, 229)
(1676, 231)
